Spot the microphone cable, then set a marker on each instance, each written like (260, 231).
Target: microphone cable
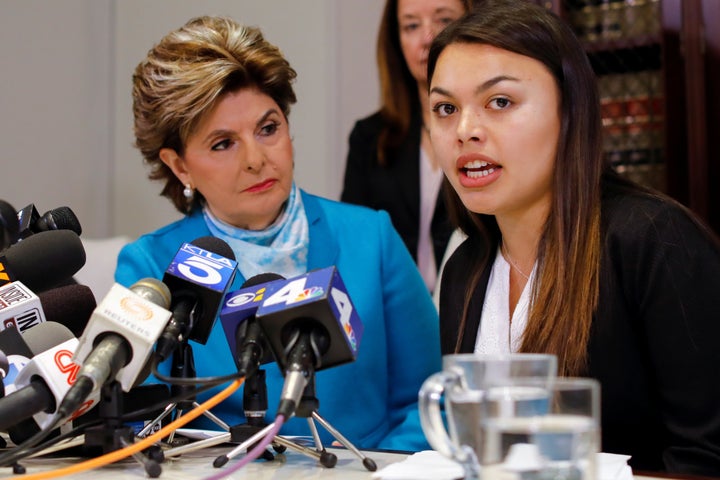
(80, 429)
(117, 455)
(254, 453)
(194, 380)
(18, 452)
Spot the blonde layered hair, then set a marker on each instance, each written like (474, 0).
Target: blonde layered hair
(184, 76)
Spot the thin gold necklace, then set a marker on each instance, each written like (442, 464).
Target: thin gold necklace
(512, 262)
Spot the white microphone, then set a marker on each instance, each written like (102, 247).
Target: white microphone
(19, 307)
(119, 338)
(44, 381)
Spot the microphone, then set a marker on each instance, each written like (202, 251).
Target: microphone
(61, 218)
(4, 370)
(244, 336)
(119, 338)
(18, 354)
(311, 324)
(9, 225)
(44, 381)
(43, 261)
(198, 277)
(22, 309)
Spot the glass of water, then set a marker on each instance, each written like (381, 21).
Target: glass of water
(461, 388)
(528, 436)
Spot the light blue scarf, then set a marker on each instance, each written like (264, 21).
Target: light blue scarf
(281, 248)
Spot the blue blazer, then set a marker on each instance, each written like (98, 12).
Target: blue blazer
(372, 401)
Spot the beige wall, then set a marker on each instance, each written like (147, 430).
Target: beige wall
(65, 118)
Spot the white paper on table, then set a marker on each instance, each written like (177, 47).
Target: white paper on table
(431, 465)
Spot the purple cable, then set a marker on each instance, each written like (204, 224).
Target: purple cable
(252, 454)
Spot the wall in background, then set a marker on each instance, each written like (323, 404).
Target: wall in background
(65, 107)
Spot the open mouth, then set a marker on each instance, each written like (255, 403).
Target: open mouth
(478, 168)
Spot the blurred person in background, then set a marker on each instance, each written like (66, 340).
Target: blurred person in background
(390, 164)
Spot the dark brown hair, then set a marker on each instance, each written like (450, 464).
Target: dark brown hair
(566, 292)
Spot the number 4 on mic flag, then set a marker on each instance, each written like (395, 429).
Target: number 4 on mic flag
(317, 298)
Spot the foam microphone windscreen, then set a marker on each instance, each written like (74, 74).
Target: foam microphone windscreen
(215, 245)
(70, 305)
(44, 260)
(46, 336)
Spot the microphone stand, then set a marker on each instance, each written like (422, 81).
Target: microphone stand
(113, 435)
(183, 366)
(255, 406)
(308, 408)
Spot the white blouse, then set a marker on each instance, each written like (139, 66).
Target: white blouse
(497, 334)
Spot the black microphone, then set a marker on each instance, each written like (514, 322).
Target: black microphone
(311, 324)
(198, 277)
(21, 308)
(43, 261)
(12, 342)
(8, 224)
(4, 370)
(244, 336)
(31, 222)
(118, 339)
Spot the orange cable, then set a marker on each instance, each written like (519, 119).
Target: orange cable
(116, 455)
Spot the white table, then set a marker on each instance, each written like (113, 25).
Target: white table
(197, 465)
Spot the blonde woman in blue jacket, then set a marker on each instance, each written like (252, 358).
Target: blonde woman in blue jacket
(211, 104)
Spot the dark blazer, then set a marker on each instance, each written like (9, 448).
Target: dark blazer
(394, 188)
(655, 339)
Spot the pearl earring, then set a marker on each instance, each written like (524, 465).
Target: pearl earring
(188, 192)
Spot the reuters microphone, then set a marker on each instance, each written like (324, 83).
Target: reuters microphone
(119, 338)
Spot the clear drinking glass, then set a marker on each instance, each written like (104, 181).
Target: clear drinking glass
(559, 443)
(517, 382)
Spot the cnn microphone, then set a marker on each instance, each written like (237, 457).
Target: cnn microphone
(119, 338)
(244, 336)
(31, 222)
(8, 224)
(18, 350)
(22, 309)
(43, 261)
(198, 277)
(310, 324)
(44, 381)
